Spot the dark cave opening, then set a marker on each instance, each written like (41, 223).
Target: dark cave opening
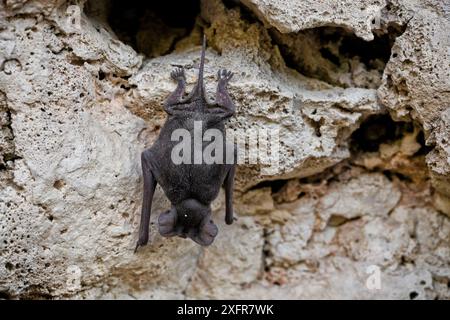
(390, 174)
(327, 54)
(4, 295)
(336, 46)
(378, 129)
(424, 149)
(379, 48)
(152, 27)
(275, 185)
(245, 13)
(324, 53)
(349, 45)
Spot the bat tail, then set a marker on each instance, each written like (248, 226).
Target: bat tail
(202, 65)
(199, 87)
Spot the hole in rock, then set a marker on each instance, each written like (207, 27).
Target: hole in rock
(413, 295)
(327, 54)
(376, 130)
(101, 75)
(337, 56)
(424, 149)
(58, 184)
(390, 175)
(150, 27)
(338, 220)
(9, 266)
(246, 13)
(275, 185)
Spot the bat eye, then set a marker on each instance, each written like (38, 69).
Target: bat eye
(185, 215)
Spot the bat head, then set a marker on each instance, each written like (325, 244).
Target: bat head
(189, 218)
(190, 212)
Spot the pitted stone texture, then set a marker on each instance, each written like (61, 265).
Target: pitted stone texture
(378, 197)
(77, 107)
(292, 16)
(340, 256)
(416, 85)
(407, 251)
(228, 266)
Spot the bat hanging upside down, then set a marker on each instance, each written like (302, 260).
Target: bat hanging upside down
(190, 187)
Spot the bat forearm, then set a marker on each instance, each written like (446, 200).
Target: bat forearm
(177, 95)
(149, 190)
(229, 182)
(223, 99)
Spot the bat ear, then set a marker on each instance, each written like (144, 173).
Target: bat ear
(206, 234)
(167, 221)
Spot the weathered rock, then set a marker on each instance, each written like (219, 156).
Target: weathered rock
(416, 84)
(359, 16)
(229, 265)
(258, 201)
(80, 98)
(365, 195)
(438, 163)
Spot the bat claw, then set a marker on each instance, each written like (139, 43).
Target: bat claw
(178, 74)
(140, 244)
(224, 75)
(230, 221)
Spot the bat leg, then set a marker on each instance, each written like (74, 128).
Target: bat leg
(167, 223)
(149, 190)
(176, 97)
(206, 233)
(228, 184)
(223, 99)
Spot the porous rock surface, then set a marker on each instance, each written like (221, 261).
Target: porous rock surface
(358, 91)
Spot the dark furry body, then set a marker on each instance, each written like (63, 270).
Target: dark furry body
(190, 187)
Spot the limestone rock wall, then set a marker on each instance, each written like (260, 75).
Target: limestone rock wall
(358, 90)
